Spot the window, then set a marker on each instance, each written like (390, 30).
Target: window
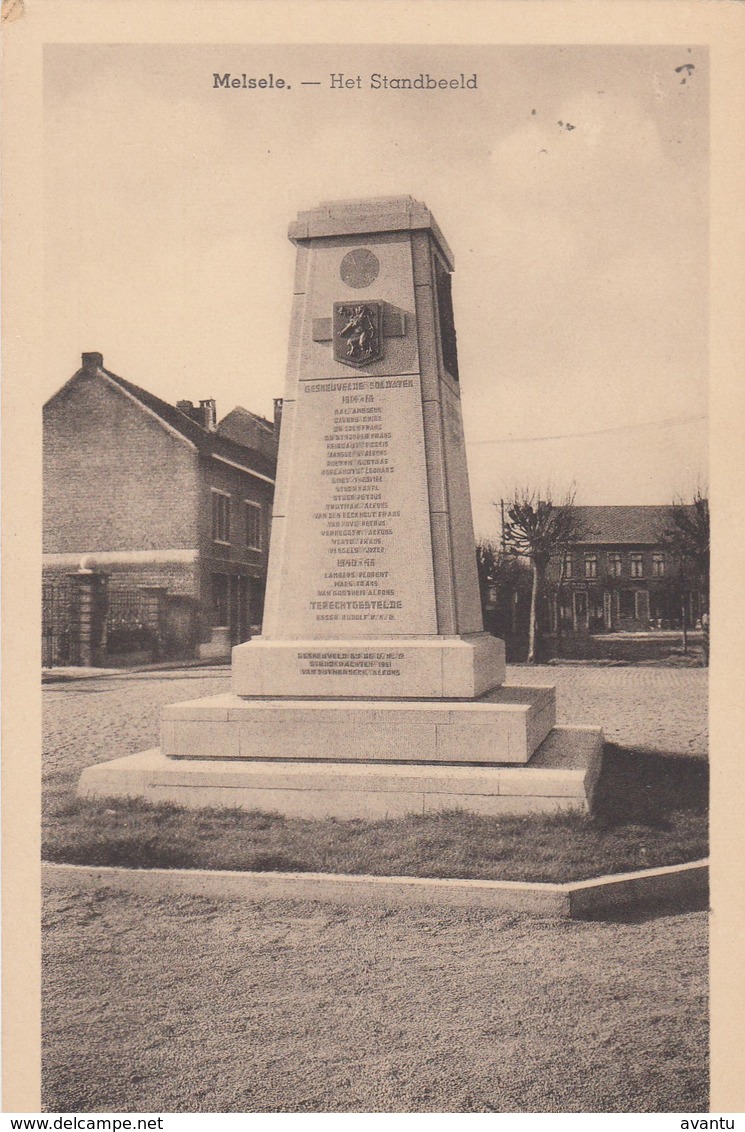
(220, 517)
(614, 565)
(568, 566)
(641, 605)
(591, 565)
(253, 525)
(658, 565)
(637, 565)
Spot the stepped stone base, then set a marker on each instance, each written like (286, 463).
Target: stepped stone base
(561, 775)
(504, 726)
(450, 668)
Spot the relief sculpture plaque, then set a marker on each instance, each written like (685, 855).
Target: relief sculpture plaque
(358, 338)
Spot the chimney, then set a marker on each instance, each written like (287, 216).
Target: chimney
(92, 362)
(204, 414)
(208, 414)
(278, 403)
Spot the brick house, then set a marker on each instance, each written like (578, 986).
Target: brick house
(161, 498)
(620, 576)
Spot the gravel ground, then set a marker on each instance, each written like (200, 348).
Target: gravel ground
(198, 1005)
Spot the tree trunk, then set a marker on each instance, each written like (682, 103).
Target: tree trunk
(559, 605)
(533, 630)
(685, 622)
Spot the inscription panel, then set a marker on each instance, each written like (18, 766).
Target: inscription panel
(358, 552)
(352, 663)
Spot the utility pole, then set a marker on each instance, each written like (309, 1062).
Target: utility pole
(501, 505)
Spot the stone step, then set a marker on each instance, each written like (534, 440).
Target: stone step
(504, 726)
(561, 775)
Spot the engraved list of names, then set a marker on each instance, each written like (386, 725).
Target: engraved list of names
(362, 565)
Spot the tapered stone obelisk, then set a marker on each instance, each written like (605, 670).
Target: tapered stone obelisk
(372, 588)
(373, 689)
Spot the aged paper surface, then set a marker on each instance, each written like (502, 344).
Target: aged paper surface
(56, 53)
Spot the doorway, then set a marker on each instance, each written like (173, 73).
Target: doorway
(580, 611)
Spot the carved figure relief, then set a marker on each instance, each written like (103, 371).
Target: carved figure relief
(357, 333)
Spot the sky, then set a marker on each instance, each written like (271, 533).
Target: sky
(571, 186)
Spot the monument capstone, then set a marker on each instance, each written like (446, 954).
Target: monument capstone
(373, 689)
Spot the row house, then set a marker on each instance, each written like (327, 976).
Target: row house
(620, 576)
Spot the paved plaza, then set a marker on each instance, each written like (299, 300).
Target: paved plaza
(664, 710)
(657, 709)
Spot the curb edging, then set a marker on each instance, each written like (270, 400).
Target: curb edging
(667, 887)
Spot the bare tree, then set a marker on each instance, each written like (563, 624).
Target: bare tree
(689, 530)
(501, 582)
(488, 557)
(539, 530)
(686, 537)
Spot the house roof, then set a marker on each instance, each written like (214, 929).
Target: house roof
(241, 425)
(239, 413)
(638, 524)
(208, 442)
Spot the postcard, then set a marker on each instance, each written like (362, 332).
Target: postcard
(371, 372)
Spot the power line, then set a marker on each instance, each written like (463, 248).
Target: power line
(667, 423)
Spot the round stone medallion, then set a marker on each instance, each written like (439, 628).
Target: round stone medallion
(359, 268)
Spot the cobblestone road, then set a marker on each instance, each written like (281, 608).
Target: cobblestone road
(90, 721)
(658, 709)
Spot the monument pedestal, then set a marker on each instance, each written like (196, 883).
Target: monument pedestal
(374, 690)
(449, 668)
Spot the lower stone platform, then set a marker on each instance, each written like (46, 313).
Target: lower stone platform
(505, 725)
(561, 774)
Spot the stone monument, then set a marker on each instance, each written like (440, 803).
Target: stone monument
(373, 689)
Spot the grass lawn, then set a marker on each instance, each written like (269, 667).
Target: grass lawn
(649, 811)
